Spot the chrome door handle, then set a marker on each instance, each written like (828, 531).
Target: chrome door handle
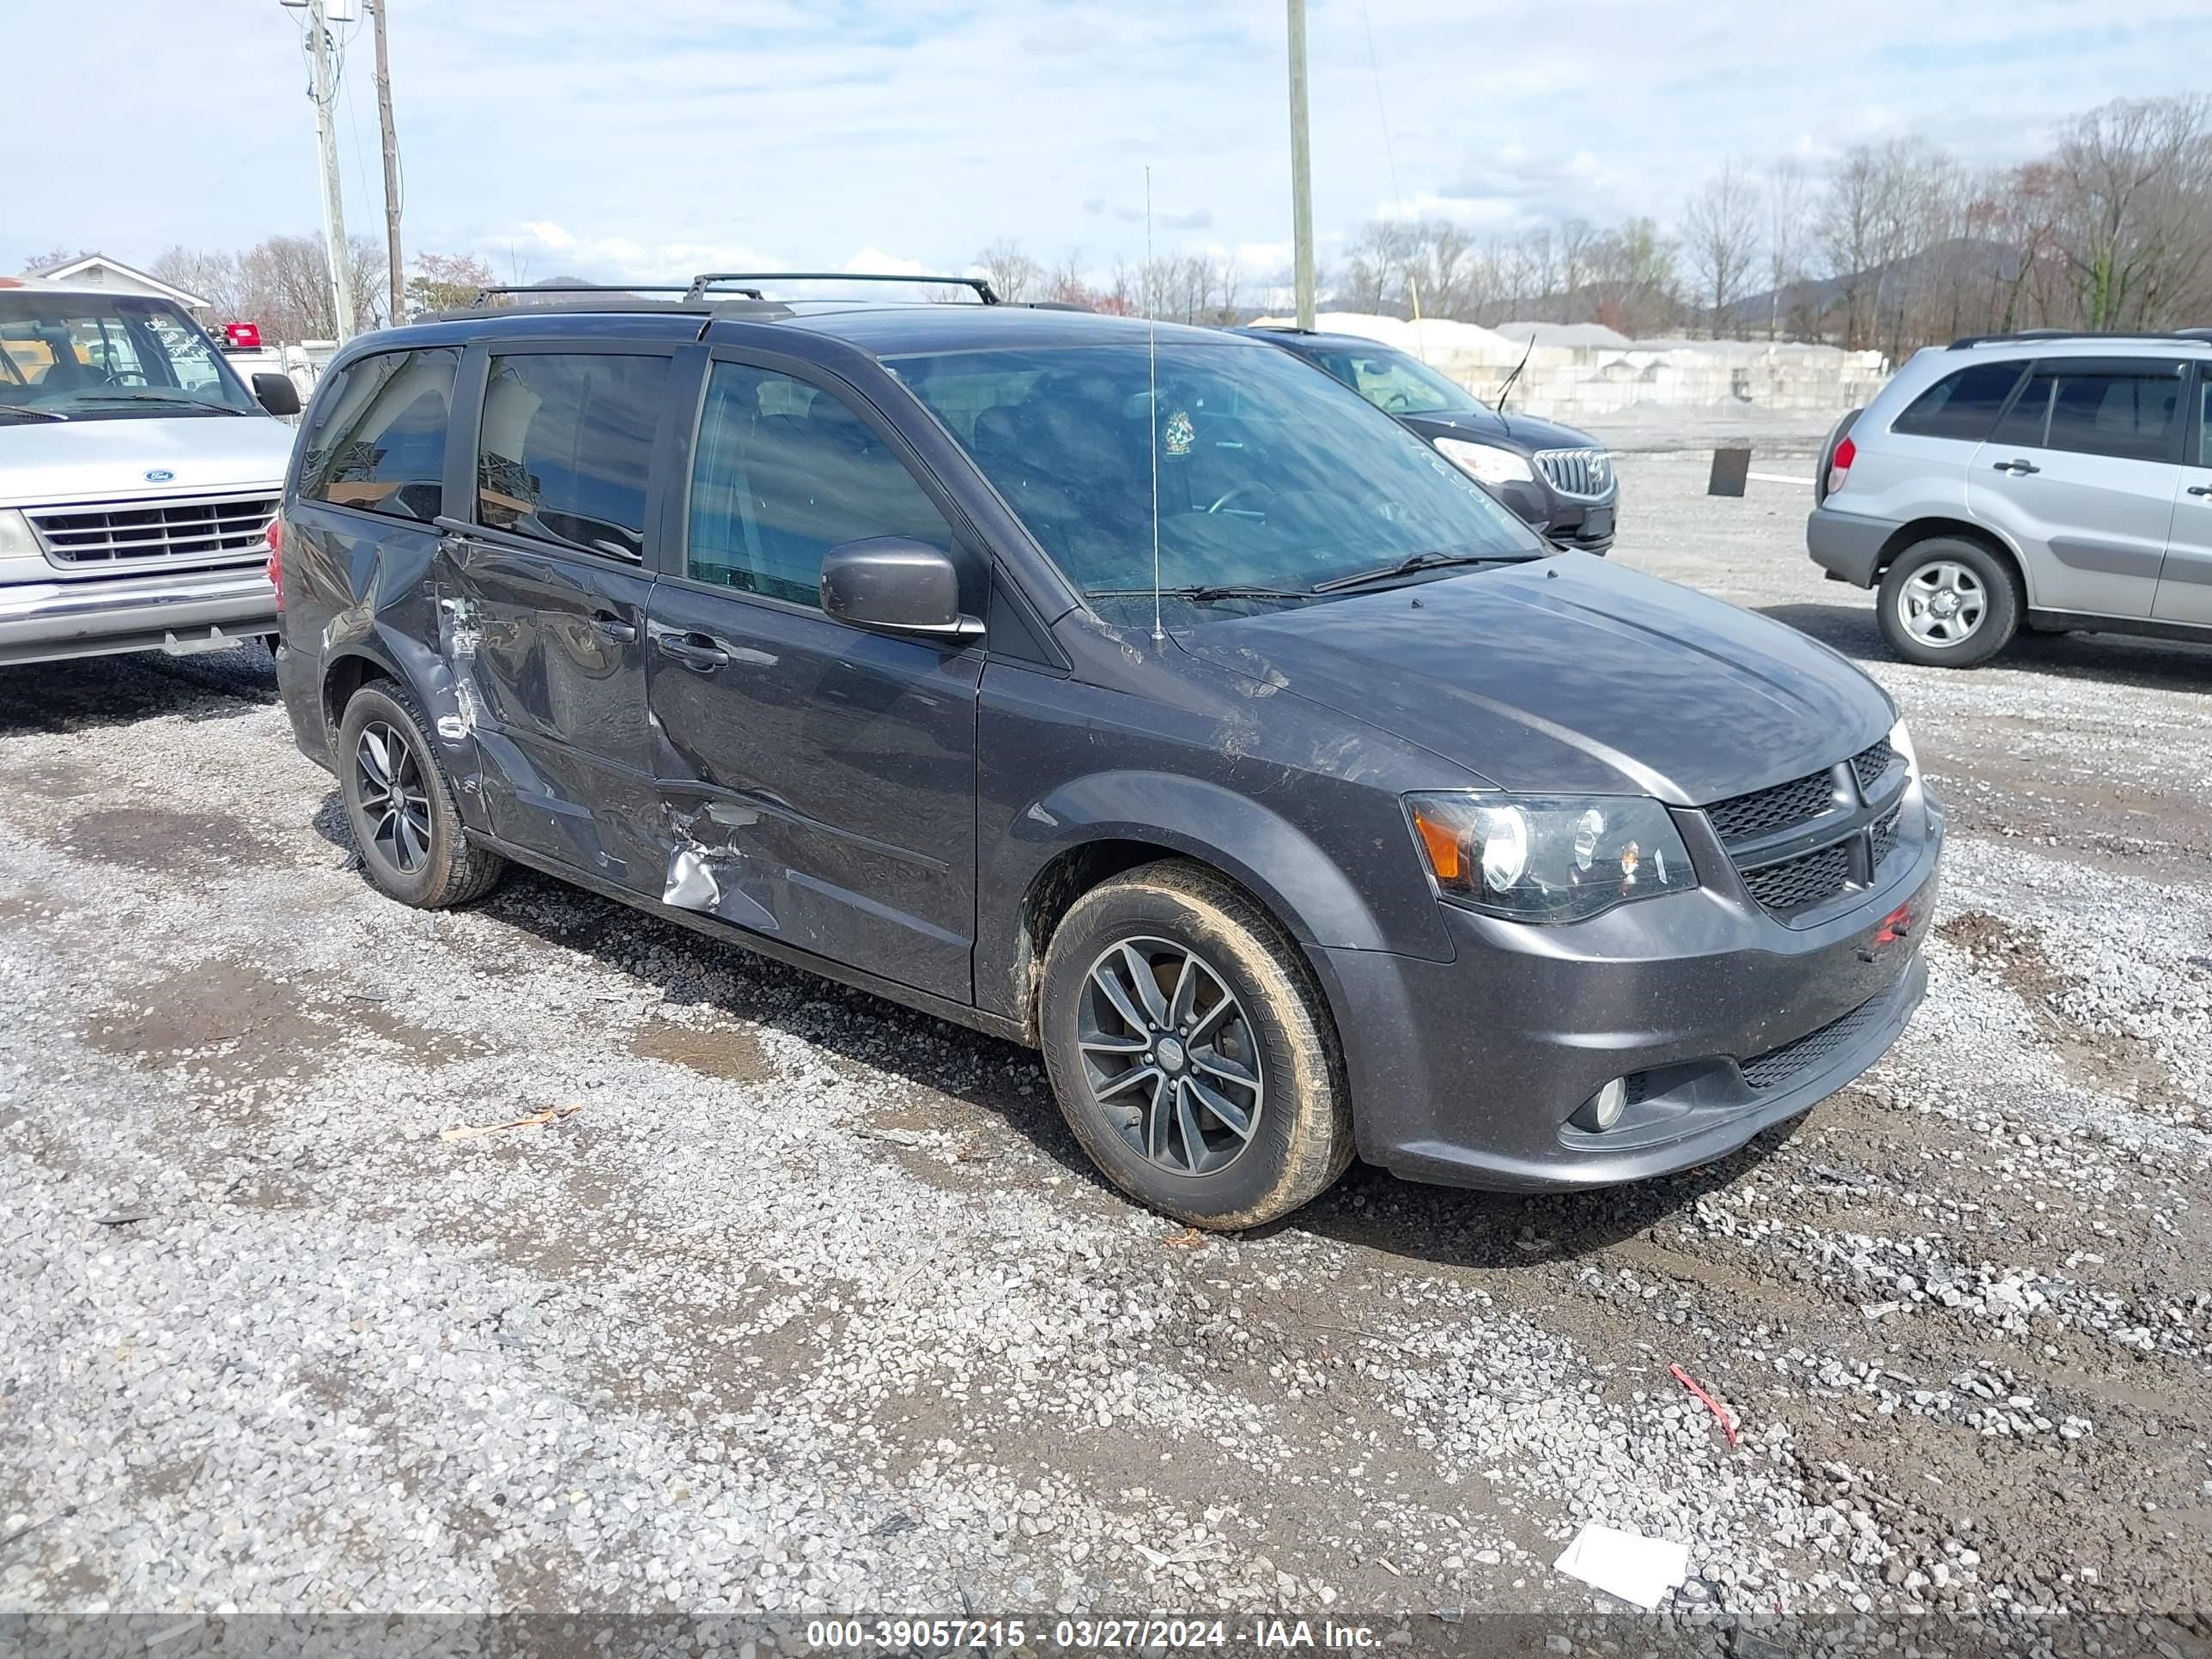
(2017, 468)
(614, 628)
(694, 651)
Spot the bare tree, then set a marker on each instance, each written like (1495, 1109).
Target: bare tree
(2136, 183)
(56, 256)
(1066, 283)
(211, 273)
(1578, 247)
(1789, 233)
(446, 282)
(1635, 280)
(1540, 262)
(1015, 274)
(1720, 229)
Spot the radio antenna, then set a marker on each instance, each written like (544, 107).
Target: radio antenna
(1153, 402)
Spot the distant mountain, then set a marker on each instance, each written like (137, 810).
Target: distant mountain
(1963, 260)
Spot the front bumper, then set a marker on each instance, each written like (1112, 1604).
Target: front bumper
(1725, 1021)
(1845, 545)
(1571, 520)
(179, 613)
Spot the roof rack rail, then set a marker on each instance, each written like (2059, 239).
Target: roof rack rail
(2200, 335)
(707, 279)
(484, 295)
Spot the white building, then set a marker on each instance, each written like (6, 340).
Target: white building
(98, 270)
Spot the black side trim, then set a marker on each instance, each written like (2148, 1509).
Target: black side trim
(2142, 627)
(960, 1013)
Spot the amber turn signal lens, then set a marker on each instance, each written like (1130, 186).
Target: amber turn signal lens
(1442, 840)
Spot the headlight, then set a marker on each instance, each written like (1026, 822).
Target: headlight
(1487, 461)
(16, 541)
(1548, 859)
(1900, 739)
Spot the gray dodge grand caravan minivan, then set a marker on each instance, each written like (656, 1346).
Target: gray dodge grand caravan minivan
(1146, 697)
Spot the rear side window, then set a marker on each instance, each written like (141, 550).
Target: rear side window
(784, 472)
(2125, 411)
(2200, 442)
(566, 448)
(379, 439)
(1963, 406)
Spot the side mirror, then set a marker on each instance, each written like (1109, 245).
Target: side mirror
(276, 393)
(890, 585)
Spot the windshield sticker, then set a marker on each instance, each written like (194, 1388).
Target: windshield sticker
(1179, 435)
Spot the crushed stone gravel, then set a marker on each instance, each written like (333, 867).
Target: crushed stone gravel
(813, 1303)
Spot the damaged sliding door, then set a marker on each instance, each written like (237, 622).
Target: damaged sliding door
(818, 782)
(542, 596)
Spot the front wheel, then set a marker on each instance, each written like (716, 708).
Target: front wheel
(1191, 1050)
(1948, 603)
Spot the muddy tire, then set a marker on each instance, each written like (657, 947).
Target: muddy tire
(1191, 1049)
(400, 805)
(1948, 603)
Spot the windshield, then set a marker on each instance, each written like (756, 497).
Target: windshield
(100, 357)
(1270, 474)
(1401, 384)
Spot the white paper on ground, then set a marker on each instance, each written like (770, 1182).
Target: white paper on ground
(1636, 1568)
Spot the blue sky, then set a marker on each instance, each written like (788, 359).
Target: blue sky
(654, 138)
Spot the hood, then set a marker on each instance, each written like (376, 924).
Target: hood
(1569, 675)
(1485, 426)
(44, 463)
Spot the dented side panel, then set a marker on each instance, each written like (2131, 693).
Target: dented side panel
(819, 785)
(546, 652)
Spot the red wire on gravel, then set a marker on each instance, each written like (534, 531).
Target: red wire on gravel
(1712, 1405)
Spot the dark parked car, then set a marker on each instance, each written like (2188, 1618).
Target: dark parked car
(1376, 826)
(1560, 480)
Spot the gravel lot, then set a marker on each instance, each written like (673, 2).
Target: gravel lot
(814, 1304)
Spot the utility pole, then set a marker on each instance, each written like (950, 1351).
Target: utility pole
(326, 95)
(1302, 255)
(390, 171)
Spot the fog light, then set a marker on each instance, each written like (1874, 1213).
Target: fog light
(1603, 1110)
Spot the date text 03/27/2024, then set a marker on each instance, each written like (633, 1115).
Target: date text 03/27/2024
(1089, 1635)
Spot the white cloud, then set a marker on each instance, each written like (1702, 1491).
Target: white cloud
(664, 136)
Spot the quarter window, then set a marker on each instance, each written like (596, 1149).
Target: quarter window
(379, 438)
(1962, 406)
(566, 447)
(784, 472)
(2092, 410)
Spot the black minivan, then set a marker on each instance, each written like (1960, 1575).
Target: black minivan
(1137, 694)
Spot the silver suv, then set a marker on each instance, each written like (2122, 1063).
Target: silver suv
(2055, 481)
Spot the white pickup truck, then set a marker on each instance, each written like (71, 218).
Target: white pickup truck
(138, 478)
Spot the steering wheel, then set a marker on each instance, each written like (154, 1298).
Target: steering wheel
(1230, 496)
(1397, 402)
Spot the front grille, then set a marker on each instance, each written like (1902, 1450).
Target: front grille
(1584, 473)
(115, 532)
(1778, 1066)
(1871, 765)
(1743, 817)
(1885, 837)
(1796, 883)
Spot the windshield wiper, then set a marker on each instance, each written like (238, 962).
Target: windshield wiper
(174, 398)
(1204, 594)
(31, 412)
(1407, 567)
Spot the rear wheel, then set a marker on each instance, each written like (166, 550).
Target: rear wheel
(1191, 1050)
(400, 804)
(1948, 603)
